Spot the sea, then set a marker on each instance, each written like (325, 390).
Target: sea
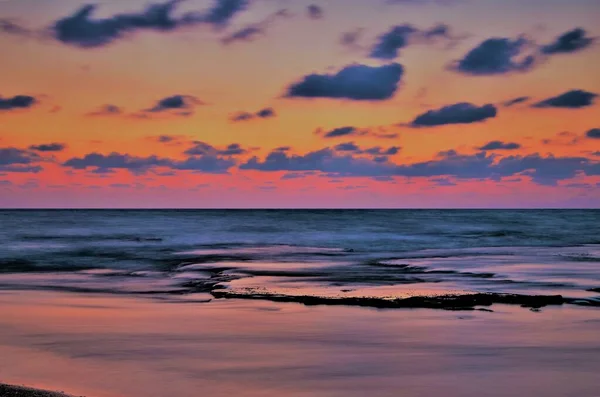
(329, 253)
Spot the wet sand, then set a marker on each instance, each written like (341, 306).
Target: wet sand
(100, 345)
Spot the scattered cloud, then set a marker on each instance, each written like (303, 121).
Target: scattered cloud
(252, 31)
(516, 101)
(48, 147)
(208, 160)
(106, 110)
(354, 82)
(571, 99)
(17, 102)
(314, 11)
(389, 44)
(572, 41)
(459, 113)
(82, 30)
(19, 160)
(183, 104)
(496, 56)
(594, 133)
(204, 149)
(11, 27)
(351, 38)
(261, 114)
(498, 145)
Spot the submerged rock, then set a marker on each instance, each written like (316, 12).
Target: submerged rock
(447, 302)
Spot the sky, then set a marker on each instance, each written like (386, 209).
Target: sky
(300, 104)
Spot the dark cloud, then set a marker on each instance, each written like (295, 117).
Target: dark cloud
(516, 101)
(347, 147)
(107, 110)
(324, 160)
(221, 12)
(166, 138)
(107, 163)
(205, 149)
(341, 131)
(261, 114)
(19, 160)
(355, 82)
(542, 170)
(594, 133)
(17, 102)
(569, 42)
(253, 31)
(571, 99)
(176, 102)
(459, 113)
(373, 151)
(498, 145)
(314, 11)
(48, 147)
(100, 163)
(82, 30)
(496, 56)
(389, 44)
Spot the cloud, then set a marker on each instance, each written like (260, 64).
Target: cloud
(338, 163)
(389, 44)
(204, 149)
(48, 147)
(571, 99)
(496, 56)
(261, 114)
(253, 31)
(350, 39)
(107, 163)
(341, 131)
(81, 30)
(377, 151)
(19, 160)
(17, 102)
(572, 41)
(355, 82)
(516, 101)
(594, 133)
(208, 162)
(11, 27)
(106, 110)
(347, 147)
(183, 103)
(324, 160)
(498, 145)
(314, 11)
(459, 113)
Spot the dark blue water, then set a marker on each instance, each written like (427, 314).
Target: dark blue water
(322, 252)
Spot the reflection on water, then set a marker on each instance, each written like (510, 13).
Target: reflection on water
(110, 346)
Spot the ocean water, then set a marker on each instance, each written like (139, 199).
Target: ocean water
(387, 254)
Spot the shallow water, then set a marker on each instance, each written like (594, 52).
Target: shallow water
(123, 346)
(384, 253)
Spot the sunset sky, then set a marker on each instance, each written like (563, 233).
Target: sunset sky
(293, 103)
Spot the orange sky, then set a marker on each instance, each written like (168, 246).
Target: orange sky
(556, 163)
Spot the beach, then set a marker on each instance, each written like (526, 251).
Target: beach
(314, 303)
(111, 346)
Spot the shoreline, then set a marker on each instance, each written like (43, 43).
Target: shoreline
(24, 391)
